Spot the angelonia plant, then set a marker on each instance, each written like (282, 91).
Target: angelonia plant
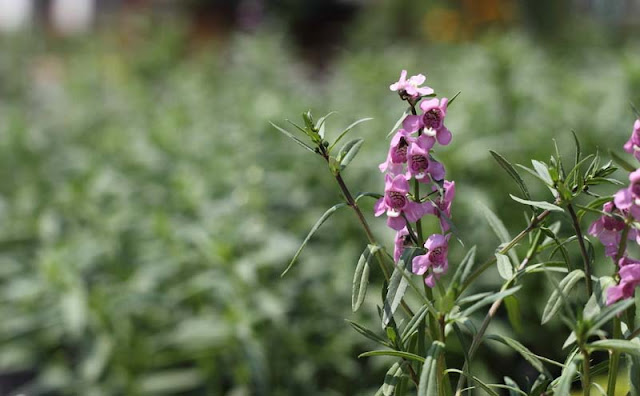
(426, 306)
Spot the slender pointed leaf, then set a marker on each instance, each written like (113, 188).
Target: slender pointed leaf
(368, 333)
(320, 124)
(395, 292)
(290, 136)
(348, 152)
(563, 387)
(347, 129)
(535, 360)
(464, 269)
(538, 204)
(428, 385)
(391, 379)
(454, 98)
(623, 346)
(413, 324)
(512, 305)
(361, 277)
(505, 268)
(400, 354)
(399, 122)
(557, 296)
(499, 229)
(506, 165)
(490, 299)
(315, 228)
(577, 141)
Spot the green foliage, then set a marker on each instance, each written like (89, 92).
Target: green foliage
(148, 207)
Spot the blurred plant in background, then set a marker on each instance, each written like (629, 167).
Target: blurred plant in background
(148, 207)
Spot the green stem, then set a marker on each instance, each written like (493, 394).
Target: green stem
(614, 360)
(583, 249)
(586, 378)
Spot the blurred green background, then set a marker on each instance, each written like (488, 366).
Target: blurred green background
(148, 208)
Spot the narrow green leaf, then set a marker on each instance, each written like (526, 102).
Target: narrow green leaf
(484, 386)
(400, 354)
(505, 268)
(399, 122)
(578, 151)
(395, 292)
(454, 98)
(472, 298)
(315, 227)
(542, 171)
(368, 333)
(535, 360)
(608, 313)
(622, 162)
(499, 229)
(506, 165)
(361, 277)
(295, 139)
(347, 129)
(623, 346)
(348, 152)
(557, 296)
(413, 324)
(512, 305)
(368, 194)
(391, 379)
(489, 300)
(538, 204)
(464, 268)
(320, 124)
(513, 387)
(570, 340)
(563, 387)
(428, 385)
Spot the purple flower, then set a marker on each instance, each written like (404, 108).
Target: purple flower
(629, 279)
(396, 203)
(608, 229)
(397, 155)
(443, 203)
(432, 120)
(421, 165)
(628, 199)
(632, 146)
(411, 86)
(435, 260)
(402, 240)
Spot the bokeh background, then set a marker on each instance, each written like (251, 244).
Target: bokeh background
(147, 208)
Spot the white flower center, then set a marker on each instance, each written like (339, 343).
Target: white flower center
(393, 213)
(430, 132)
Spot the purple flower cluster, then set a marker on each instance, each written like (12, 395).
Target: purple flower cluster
(620, 215)
(409, 157)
